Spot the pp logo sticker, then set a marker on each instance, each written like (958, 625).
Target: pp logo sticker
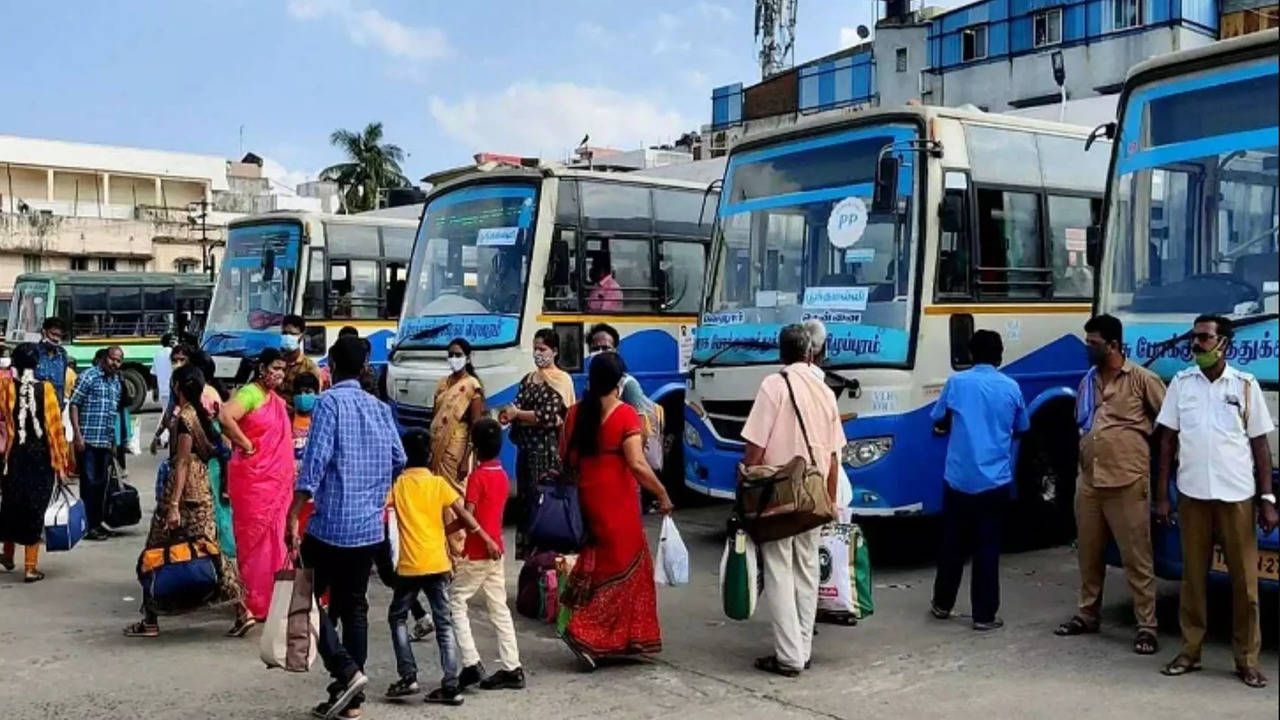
(847, 223)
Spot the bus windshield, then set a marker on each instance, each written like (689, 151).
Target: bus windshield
(256, 283)
(795, 240)
(1193, 218)
(471, 264)
(29, 309)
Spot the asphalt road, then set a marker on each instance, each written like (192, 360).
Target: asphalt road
(62, 654)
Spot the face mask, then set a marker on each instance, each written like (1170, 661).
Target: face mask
(5, 363)
(542, 359)
(305, 403)
(290, 343)
(53, 341)
(1097, 354)
(456, 364)
(1206, 358)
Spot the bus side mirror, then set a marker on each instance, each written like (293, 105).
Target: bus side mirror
(951, 212)
(1107, 130)
(885, 198)
(1093, 246)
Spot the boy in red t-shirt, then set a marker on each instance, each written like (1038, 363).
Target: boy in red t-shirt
(487, 491)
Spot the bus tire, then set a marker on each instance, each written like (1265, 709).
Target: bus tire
(1045, 473)
(135, 384)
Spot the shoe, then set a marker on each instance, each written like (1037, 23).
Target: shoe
(504, 680)
(404, 687)
(97, 535)
(470, 675)
(994, 624)
(938, 613)
(445, 696)
(348, 694)
(422, 630)
(7, 563)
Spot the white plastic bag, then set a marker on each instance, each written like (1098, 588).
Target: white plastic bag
(135, 438)
(66, 426)
(835, 594)
(671, 562)
(291, 632)
(844, 497)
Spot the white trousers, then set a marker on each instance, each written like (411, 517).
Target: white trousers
(791, 592)
(488, 579)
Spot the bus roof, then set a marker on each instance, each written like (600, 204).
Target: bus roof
(1257, 44)
(559, 171)
(80, 277)
(912, 113)
(302, 215)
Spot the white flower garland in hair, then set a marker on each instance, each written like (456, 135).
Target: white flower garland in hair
(27, 405)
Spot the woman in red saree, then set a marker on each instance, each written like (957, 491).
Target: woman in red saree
(610, 590)
(261, 478)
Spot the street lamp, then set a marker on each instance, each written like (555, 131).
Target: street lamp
(1060, 77)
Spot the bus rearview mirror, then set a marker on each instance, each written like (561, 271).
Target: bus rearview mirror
(951, 212)
(885, 198)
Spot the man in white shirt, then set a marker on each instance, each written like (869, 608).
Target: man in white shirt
(162, 369)
(1217, 419)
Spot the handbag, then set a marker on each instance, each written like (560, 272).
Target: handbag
(530, 594)
(122, 507)
(740, 578)
(180, 577)
(776, 502)
(556, 520)
(291, 633)
(65, 523)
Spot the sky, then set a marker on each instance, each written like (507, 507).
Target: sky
(446, 79)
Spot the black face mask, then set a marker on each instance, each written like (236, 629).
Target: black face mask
(1097, 354)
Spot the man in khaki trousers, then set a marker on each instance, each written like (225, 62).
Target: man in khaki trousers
(1116, 409)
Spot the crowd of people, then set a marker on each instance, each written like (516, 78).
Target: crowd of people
(303, 466)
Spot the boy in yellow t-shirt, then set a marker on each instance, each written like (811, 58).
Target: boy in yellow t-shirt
(420, 499)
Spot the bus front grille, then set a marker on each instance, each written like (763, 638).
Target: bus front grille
(413, 416)
(727, 417)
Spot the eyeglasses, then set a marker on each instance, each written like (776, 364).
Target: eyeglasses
(1203, 337)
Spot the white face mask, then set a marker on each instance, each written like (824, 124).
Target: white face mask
(6, 363)
(456, 364)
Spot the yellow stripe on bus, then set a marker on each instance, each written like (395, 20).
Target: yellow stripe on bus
(1057, 309)
(620, 319)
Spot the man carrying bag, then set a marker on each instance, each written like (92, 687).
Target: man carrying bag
(786, 492)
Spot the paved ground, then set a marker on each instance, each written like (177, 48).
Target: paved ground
(62, 654)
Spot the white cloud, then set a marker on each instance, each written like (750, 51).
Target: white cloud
(369, 27)
(698, 80)
(283, 178)
(713, 11)
(849, 37)
(548, 119)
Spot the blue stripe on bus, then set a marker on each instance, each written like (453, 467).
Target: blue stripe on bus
(798, 198)
(484, 192)
(1200, 147)
(897, 132)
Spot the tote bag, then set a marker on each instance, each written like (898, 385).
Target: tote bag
(291, 634)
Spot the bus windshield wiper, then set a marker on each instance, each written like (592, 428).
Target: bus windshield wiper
(1158, 349)
(422, 334)
(749, 344)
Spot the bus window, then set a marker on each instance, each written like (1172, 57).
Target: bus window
(313, 300)
(339, 289)
(395, 278)
(354, 289)
(1010, 254)
(954, 245)
(397, 244)
(158, 303)
(617, 207)
(562, 271)
(125, 306)
(620, 275)
(89, 306)
(352, 240)
(1069, 217)
(676, 212)
(680, 275)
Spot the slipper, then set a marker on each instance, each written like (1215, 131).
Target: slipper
(1075, 626)
(141, 629)
(242, 627)
(770, 664)
(1252, 677)
(1180, 666)
(33, 576)
(7, 563)
(1145, 643)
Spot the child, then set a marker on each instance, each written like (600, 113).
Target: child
(478, 572)
(420, 499)
(422, 627)
(306, 388)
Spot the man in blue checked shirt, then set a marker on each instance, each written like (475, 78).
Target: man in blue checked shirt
(95, 407)
(353, 453)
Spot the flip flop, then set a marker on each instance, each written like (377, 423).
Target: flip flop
(1252, 677)
(1075, 626)
(142, 630)
(1180, 666)
(33, 577)
(242, 627)
(1145, 643)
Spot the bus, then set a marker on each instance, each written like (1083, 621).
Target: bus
(333, 270)
(1191, 220)
(502, 253)
(130, 309)
(981, 223)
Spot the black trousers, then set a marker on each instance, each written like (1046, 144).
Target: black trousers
(344, 573)
(972, 526)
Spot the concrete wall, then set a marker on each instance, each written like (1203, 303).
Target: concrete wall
(107, 158)
(896, 88)
(18, 184)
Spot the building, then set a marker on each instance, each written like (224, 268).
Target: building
(1241, 17)
(997, 55)
(83, 206)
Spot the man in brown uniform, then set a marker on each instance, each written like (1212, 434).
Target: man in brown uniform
(1116, 408)
(293, 347)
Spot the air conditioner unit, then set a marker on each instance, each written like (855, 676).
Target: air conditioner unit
(720, 140)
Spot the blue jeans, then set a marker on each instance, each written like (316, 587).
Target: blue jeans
(94, 464)
(972, 525)
(436, 588)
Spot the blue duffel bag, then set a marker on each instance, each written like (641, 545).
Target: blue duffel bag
(556, 521)
(180, 577)
(65, 522)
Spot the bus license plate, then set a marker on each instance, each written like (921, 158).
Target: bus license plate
(1268, 563)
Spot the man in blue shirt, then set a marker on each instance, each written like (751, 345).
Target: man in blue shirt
(982, 409)
(52, 367)
(95, 408)
(353, 453)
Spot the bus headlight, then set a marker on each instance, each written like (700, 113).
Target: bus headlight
(864, 451)
(691, 436)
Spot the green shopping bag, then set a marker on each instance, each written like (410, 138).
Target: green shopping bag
(739, 575)
(860, 566)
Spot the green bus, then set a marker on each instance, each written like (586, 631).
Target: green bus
(130, 309)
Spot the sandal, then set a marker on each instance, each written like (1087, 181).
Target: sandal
(770, 664)
(141, 629)
(1180, 666)
(33, 576)
(242, 627)
(7, 563)
(1076, 626)
(1145, 643)
(1252, 677)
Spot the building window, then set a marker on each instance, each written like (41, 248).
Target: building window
(1125, 13)
(186, 265)
(973, 42)
(136, 265)
(30, 263)
(106, 264)
(900, 59)
(1048, 27)
(80, 263)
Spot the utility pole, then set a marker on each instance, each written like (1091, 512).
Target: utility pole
(206, 253)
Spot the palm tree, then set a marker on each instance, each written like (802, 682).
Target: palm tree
(372, 165)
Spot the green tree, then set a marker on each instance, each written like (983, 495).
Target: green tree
(371, 165)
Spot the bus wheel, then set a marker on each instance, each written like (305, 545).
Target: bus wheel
(136, 387)
(1048, 458)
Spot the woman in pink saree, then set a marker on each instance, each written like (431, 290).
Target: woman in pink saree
(261, 477)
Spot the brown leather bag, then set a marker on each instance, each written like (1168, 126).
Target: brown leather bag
(773, 502)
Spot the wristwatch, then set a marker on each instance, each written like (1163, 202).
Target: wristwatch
(1268, 497)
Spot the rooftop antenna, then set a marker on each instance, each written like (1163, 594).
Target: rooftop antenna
(775, 33)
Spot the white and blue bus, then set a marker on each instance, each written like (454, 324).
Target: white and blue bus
(1191, 221)
(985, 226)
(502, 253)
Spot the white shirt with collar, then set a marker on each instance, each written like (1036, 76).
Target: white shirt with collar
(1215, 461)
